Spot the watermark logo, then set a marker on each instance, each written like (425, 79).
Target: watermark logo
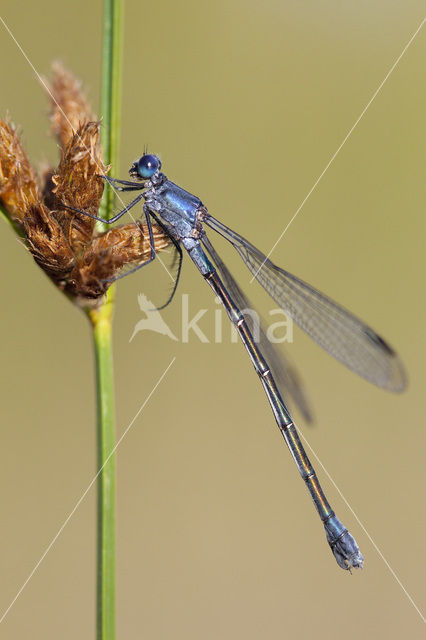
(153, 320)
(277, 332)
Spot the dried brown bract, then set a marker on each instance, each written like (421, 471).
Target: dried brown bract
(66, 244)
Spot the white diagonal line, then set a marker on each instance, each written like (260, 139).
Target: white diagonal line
(363, 527)
(84, 494)
(41, 80)
(341, 145)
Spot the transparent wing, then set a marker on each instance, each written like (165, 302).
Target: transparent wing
(282, 370)
(340, 333)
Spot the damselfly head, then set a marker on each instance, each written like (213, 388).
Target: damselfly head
(145, 167)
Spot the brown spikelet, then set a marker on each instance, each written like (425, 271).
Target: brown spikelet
(69, 107)
(108, 253)
(19, 186)
(47, 242)
(129, 243)
(78, 183)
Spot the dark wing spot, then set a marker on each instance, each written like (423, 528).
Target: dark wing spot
(377, 340)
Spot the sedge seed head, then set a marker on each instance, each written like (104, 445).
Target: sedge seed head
(67, 245)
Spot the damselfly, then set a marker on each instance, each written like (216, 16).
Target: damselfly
(183, 217)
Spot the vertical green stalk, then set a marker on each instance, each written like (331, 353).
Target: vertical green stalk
(101, 320)
(102, 343)
(111, 91)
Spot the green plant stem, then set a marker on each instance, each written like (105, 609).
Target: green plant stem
(111, 93)
(102, 342)
(101, 320)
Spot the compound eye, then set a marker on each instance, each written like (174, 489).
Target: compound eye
(147, 166)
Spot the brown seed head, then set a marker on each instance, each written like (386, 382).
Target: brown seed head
(66, 244)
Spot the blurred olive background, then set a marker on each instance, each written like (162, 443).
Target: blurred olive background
(245, 102)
